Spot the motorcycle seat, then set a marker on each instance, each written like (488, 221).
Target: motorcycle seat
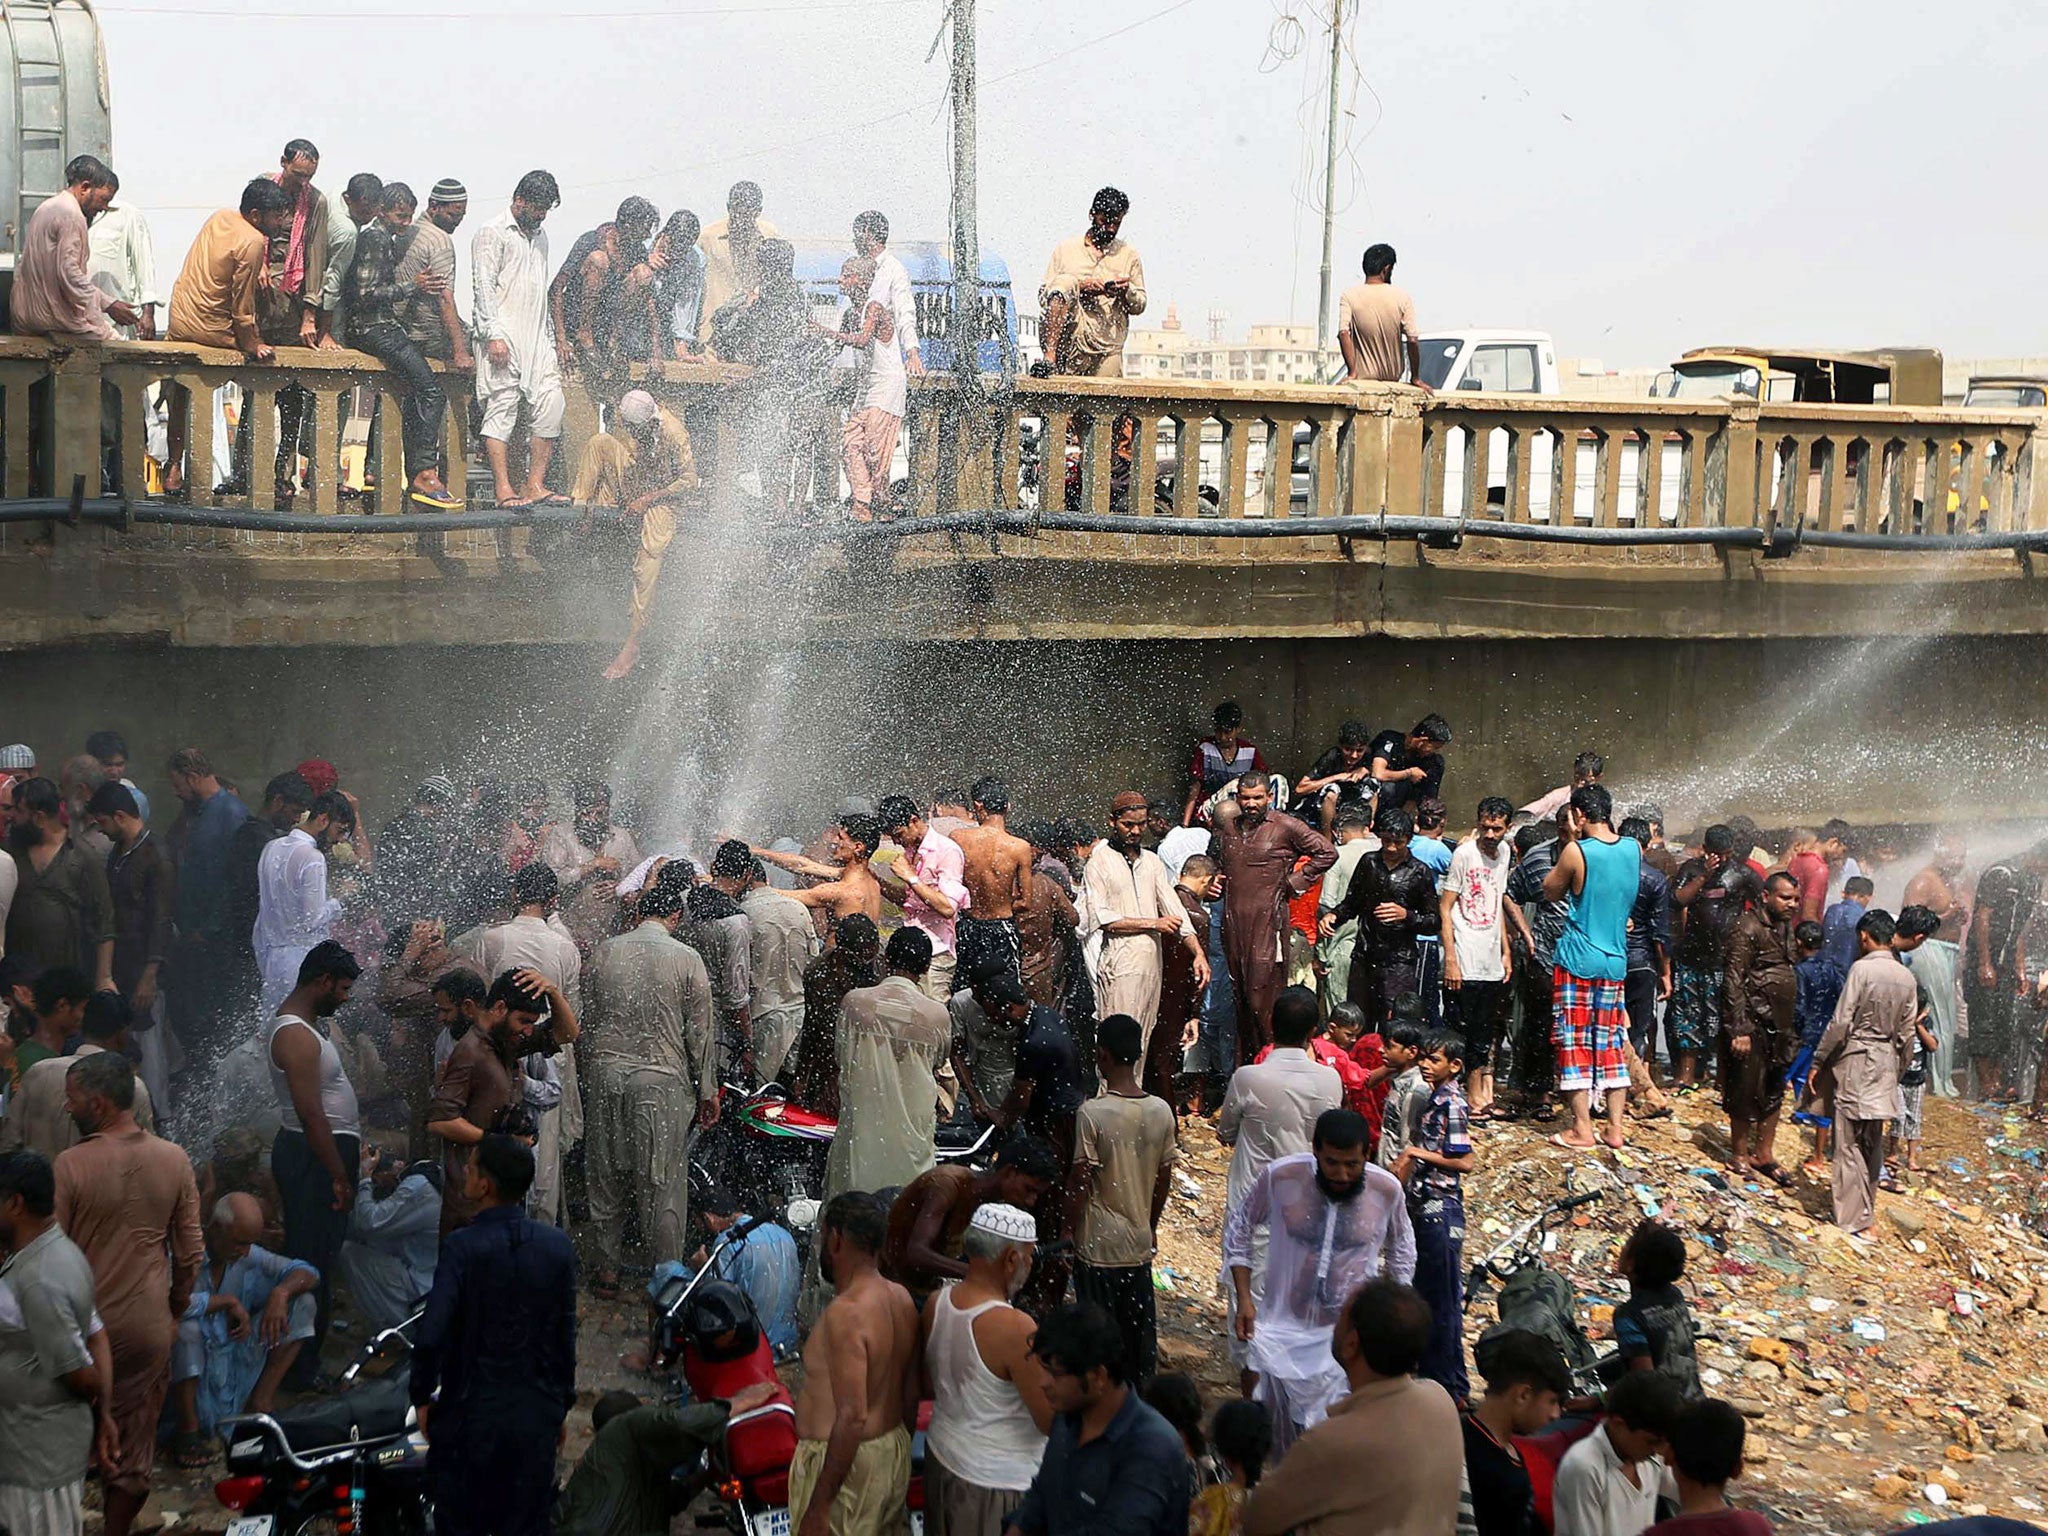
(375, 1411)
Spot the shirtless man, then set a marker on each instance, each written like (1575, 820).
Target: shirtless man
(1938, 888)
(851, 1472)
(849, 886)
(998, 878)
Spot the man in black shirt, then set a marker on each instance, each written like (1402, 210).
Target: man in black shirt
(1392, 895)
(605, 272)
(375, 296)
(1410, 767)
(1341, 776)
(1995, 972)
(1047, 1092)
(1526, 1382)
(1712, 893)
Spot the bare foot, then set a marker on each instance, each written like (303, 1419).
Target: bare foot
(625, 661)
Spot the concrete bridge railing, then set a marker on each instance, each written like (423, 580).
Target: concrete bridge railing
(1073, 454)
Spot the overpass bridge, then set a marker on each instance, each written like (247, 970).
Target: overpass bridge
(1648, 570)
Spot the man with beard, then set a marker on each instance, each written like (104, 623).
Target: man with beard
(1336, 1222)
(847, 887)
(996, 868)
(483, 1074)
(293, 910)
(990, 1413)
(130, 1203)
(851, 1471)
(316, 1156)
(1129, 899)
(587, 856)
(652, 1046)
(1937, 963)
(1261, 857)
(1759, 1030)
(1392, 897)
(536, 938)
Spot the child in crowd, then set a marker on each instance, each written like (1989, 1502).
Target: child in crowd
(1176, 1399)
(1242, 1432)
(1611, 1480)
(1408, 1092)
(1433, 1168)
(1527, 1382)
(1706, 1456)
(1653, 1329)
(1921, 924)
(1363, 1050)
(1820, 987)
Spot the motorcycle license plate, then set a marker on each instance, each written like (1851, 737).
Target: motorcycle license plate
(254, 1525)
(773, 1522)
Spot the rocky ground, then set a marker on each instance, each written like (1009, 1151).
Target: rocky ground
(1886, 1384)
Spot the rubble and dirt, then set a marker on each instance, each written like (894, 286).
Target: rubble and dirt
(1886, 1383)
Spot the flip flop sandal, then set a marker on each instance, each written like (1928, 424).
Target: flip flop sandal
(552, 499)
(1661, 1112)
(1774, 1172)
(1558, 1140)
(191, 1450)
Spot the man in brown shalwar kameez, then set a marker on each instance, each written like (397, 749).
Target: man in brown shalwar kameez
(1759, 1032)
(1258, 851)
(130, 1203)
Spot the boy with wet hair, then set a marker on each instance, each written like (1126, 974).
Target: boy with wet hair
(1434, 1170)
(1653, 1329)
(1527, 1382)
(1612, 1479)
(1401, 1072)
(1706, 1456)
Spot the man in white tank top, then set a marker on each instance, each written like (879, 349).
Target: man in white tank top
(990, 1412)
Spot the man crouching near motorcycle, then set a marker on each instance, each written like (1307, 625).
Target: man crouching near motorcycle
(624, 1483)
(851, 1474)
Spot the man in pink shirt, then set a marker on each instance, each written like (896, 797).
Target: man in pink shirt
(932, 875)
(53, 293)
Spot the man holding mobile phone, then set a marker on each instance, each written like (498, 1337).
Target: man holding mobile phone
(1093, 285)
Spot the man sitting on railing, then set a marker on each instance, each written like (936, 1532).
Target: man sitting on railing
(374, 295)
(54, 294)
(213, 303)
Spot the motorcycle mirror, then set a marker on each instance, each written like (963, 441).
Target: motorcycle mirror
(802, 1215)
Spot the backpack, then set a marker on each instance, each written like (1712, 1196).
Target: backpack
(1538, 1299)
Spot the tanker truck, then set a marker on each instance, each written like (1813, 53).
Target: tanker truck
(53, 105)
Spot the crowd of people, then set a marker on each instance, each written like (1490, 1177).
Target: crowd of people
(266, 1065)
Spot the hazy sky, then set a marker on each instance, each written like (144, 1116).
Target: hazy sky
(1637, 178)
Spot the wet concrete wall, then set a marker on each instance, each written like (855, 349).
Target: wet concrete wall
(1786, 730)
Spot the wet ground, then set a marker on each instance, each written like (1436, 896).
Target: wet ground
(1885, 1384)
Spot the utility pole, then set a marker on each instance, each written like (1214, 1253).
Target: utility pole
(1329, 173)
(966, 236)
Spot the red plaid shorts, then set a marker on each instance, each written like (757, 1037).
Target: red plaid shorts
(1590, 1030)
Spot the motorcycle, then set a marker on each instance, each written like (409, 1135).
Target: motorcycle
(356, 1460)
(705, 1327)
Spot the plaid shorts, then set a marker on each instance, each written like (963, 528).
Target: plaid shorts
(1589, 1026)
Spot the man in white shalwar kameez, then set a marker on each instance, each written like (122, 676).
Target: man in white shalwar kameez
(517, 359)
(1336, 1222)
(1128, 898)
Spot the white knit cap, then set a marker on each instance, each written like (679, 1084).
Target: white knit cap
(1008, 1222)
(637, 408)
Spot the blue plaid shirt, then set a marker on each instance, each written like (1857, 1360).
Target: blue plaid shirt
(1446, 1128)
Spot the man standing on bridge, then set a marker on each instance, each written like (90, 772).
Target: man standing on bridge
(1262, 859)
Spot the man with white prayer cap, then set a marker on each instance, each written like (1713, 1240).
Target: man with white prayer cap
(990, 1412)
(641, 466)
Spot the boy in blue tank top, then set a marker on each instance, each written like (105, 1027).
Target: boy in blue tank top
(1597, 872)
